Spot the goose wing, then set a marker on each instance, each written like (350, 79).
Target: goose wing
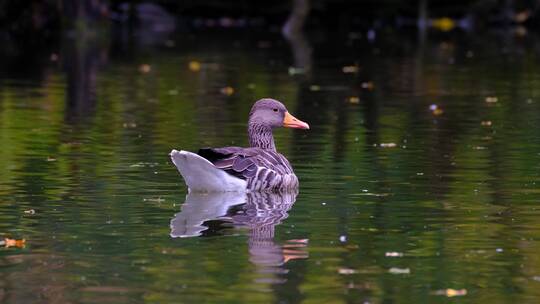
(261, 168)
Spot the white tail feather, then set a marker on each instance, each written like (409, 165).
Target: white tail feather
(202, 176)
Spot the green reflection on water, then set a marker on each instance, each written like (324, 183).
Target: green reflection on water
(457, 195)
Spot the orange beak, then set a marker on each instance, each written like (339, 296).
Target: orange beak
(290, 121)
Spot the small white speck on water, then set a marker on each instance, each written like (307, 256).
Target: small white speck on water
(343, 238)
(347, 271)
(324, 204)
(395, 270)
(499, 250)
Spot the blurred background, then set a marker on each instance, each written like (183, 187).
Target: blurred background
(419, 177)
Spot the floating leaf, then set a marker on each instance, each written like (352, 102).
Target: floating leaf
(194, 66)
(435, 110)
(492, 99)
(13, 243)
(486, 123)
(388, 145)
(145, 68)
(155, 200)
(449, 292)
(228, 91)
(444, 24)
(350, 69)
(395, 270)
(522, 16)
(347, 271)
(296, 71)
(368, 85)
(354, 100)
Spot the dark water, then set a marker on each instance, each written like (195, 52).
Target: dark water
(399, 202)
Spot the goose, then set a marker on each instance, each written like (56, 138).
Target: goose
(256, 168)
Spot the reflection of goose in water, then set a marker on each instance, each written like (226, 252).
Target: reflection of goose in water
(260, 213)
(202, 207)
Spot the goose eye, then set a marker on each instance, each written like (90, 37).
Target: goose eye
(275, 110)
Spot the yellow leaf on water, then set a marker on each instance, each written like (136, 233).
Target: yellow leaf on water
(14, 243)
(444, 24)
(438, 112)
(486, 123)
(194, 66)
(354, 100)
(227, 91)
(449, 292)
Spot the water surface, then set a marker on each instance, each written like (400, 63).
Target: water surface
(419, 177)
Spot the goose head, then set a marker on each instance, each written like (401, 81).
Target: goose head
(271, 113)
